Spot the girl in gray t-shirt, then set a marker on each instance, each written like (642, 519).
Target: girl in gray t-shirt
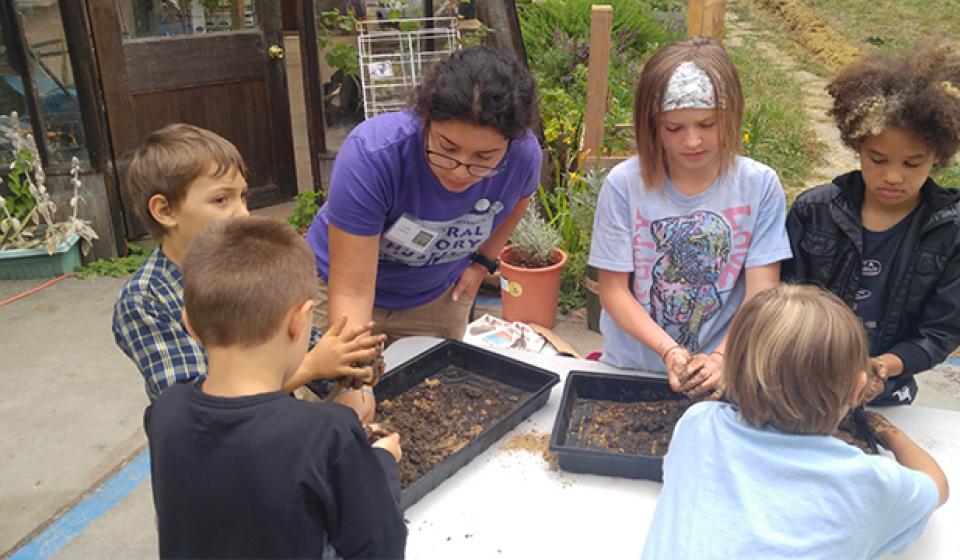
(688, 230)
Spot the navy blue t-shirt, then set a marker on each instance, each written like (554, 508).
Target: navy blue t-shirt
(879, 252)
(268, 476)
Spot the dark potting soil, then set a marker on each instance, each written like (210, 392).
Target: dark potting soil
(854, 434)
(636, 428)
(442, 414)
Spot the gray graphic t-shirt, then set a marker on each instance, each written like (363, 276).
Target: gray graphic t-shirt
(686, 254)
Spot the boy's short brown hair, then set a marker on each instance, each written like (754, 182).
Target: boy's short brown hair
(169, 160)
(792, 359)
(241, 276)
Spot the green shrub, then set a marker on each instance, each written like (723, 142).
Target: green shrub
(569, 209)
(115, 267)
(308, 204)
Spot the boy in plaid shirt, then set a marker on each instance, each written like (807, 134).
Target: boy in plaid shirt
(181, 179)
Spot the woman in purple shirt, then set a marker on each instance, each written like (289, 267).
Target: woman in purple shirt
(422, 201)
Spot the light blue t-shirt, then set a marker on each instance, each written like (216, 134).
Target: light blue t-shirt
(687, 253)
(734, 491)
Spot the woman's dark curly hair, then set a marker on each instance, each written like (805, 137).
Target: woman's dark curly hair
(482, 87)
(916, 89)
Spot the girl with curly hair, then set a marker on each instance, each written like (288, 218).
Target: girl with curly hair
(886, 238)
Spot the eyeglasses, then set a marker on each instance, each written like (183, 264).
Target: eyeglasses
(444, 161)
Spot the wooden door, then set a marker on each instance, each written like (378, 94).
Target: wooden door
(217, 64)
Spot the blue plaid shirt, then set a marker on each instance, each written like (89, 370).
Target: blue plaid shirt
(148, 327)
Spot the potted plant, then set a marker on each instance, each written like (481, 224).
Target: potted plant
(530, 271)
(32, 243)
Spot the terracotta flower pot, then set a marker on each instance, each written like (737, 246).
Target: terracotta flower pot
(530, 295)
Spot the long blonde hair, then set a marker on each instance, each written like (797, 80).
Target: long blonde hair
(709, 55)
(793, 359)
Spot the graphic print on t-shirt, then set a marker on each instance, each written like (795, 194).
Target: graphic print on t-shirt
(436, 242)
(872, 267)
(688, 267)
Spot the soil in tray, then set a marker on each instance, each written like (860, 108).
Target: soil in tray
(442, 414)
(636, 428)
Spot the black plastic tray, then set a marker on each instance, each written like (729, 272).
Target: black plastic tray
(609, 387)
(622, 388)
(533, 381)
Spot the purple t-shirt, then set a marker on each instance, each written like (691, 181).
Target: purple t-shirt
(381, 175)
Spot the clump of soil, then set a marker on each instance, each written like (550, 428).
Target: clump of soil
(636, 428)
(442, 414)
(535, 443)
(854, 433)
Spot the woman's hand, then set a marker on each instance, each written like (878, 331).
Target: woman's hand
(469, 282)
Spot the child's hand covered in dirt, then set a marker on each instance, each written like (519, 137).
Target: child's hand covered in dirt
(676, 359)
(703, 378)
(876, 380)
(880, 427)
(339, 350)
(391, 443)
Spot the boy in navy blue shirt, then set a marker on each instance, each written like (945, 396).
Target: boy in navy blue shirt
(239, 468)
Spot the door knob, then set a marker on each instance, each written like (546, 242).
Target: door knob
(275, 52)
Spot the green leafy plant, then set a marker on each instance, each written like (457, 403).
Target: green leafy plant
(569, 208)
(27, 219)
(556, 36)
(534, 240)
(307, 206)
(116, 267)
(339, 55)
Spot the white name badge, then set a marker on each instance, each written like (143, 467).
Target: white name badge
(410, 235)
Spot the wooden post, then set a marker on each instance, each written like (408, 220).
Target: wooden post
(501, 17)
(601, 24)
(705, 17)
(237, 20)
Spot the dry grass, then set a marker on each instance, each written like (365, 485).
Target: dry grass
(827, 45)
(892, 24)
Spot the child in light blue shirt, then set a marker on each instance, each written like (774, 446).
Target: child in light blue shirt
(760, 476)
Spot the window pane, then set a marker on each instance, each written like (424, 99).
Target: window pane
(165, 18)
(12, 97)
(45, 50)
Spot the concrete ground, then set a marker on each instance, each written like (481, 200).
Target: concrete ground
(71, 418)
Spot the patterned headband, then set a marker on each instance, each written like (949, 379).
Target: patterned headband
(689, 88)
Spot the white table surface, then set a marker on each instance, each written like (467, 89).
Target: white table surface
(509, 504)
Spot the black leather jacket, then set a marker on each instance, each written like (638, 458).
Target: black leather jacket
(921, 324)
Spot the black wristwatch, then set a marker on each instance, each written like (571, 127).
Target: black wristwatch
(490, 264)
